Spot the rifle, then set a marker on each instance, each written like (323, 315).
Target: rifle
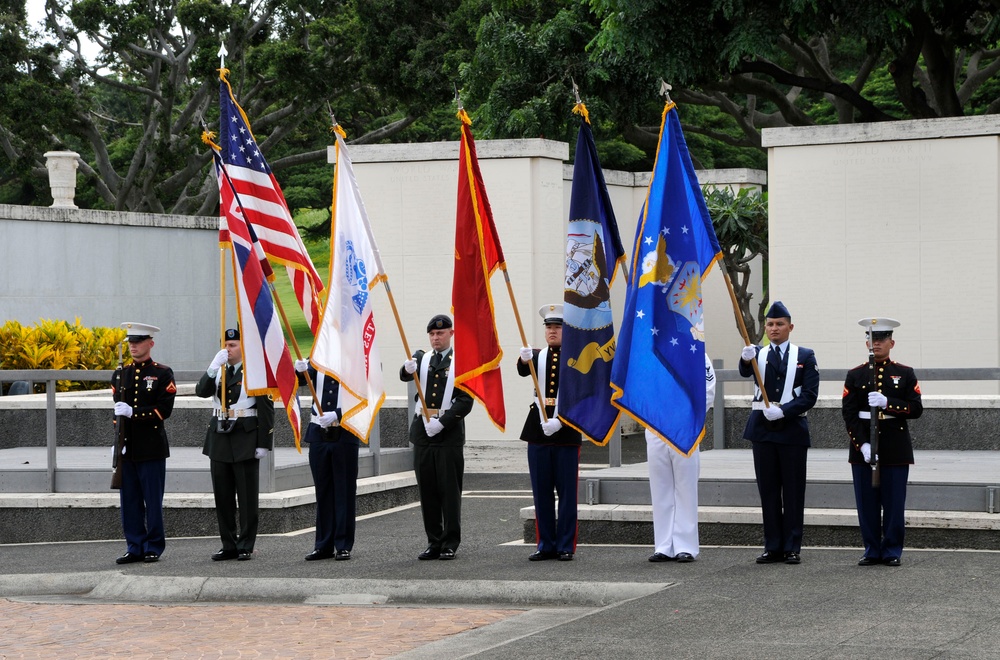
(874, 412)
(116, 454)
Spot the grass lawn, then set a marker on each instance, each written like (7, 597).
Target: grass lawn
(319, 252)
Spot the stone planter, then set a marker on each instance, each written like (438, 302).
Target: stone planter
(62, 177)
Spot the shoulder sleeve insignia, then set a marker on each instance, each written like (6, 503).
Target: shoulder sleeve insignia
(171, 388)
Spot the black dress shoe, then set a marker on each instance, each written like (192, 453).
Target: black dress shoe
(244, 555)
(659, 556)
(684, 557)
(770, 558)
(223, 555)
(430, 553)
(869, 561)
(792, 558)
(542, 555)
(342, 555)
(128, 558)
(151, 557)
(565, 556)
(892, 561)
(316, 555)
(447, 554)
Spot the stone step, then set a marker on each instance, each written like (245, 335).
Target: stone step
(57, 517)
(727, 525)
(938, 481)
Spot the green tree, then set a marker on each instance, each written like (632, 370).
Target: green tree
(740, 221)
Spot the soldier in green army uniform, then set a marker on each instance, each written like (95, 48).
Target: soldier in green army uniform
(240, 433)
(438, 458)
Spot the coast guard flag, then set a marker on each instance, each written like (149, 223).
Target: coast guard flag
(267, 363)
(345, 347)
(593, 251)
(477, 256)
(263, 204)
(659, 369)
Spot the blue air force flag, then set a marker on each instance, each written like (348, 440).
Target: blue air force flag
(593, 250)
(658, 374)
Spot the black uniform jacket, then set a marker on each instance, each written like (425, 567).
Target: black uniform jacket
(248, 433)
(548, 380)
(793, 429)
(149, 388)
(453, 419)
(899, 384)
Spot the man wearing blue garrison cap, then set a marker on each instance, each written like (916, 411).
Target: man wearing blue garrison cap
(780, 433)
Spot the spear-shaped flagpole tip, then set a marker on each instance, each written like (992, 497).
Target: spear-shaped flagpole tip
(576, 91)
(222, 52)
(665, 88)
(458, 97)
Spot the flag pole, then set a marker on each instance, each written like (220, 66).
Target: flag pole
(222, 316)
(743, 333)
(406, 347)
(524, 342)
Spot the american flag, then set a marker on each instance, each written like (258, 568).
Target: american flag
(264, 205)
(267, 363)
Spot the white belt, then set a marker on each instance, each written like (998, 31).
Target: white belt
(866, 414)
(237, 412)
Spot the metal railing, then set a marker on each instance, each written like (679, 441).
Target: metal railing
(50, 376)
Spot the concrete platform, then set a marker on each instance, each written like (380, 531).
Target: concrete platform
(953, 499)
(88, 469)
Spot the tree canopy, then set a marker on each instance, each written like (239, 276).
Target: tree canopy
(132, 105)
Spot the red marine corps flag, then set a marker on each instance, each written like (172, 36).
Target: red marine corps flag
(477, 256)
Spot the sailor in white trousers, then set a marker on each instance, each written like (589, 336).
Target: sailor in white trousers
(673, 485)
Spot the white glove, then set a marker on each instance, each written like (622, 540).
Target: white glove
(748, 353)
(433, 427)
(552, 426)
(877, 400)
(122, 408)
(259, 453)
(866, 451)
(410, 366)
(773, 412)
(328, 419)
(526, 354)
(220, 359)
(301, 366)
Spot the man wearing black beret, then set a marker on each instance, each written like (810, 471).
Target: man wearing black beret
(240, 433)
(438, 459)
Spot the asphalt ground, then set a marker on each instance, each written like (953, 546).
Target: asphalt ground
(72, 600)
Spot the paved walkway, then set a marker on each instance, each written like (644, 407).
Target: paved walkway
(64, 630)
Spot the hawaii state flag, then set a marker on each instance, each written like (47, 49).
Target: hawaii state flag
(477, 256)
(267, 363)
(593, 252)
(345, 347)
(659, 370)
(263, 204)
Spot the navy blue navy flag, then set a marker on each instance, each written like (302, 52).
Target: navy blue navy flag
(593, 251)
(658, 374)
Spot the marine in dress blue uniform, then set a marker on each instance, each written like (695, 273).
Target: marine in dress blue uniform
(553, 449)
(438, 459)
(240, 433)
(333, 460)
(144, 393)
(780, 434)
(881, 511)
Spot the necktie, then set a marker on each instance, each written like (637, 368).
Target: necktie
(435, 360)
